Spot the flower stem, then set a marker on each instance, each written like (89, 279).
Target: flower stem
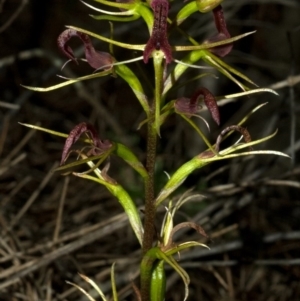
(150, 209)
(149, 186)
(153, 132)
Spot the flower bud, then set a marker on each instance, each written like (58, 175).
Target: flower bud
(206, 6)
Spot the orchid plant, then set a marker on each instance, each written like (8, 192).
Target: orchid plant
(158, 249)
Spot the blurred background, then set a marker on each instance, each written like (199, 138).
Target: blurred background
(54, 226)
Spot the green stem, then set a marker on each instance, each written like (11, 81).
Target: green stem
(153, 132)
(146, 269)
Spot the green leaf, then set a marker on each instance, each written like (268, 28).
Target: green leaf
(158, 282)
(180, 271)
(148, 264)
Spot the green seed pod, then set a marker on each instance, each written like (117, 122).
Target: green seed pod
(206, 6)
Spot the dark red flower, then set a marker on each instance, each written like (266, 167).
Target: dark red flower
(96, 59)
(223, 33)
(159, 39)
(98, 148)
(191, 106)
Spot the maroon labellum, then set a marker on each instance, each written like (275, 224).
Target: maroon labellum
(238, 128)
(191, 106)
(159, 39)
(246, 135)
(98, 148)
(223, 33)
(96, 59)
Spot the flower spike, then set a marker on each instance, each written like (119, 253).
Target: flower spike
(159, 39)
(223, 33)
(96, 59)
(190, 107)
(99, 146)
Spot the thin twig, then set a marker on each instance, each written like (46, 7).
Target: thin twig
(13, 275)
(60, 210)
(33, 197)
(14, 15)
